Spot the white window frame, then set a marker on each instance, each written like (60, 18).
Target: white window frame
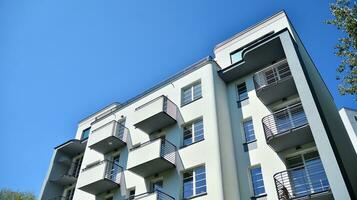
(251, 180)
(244, 133)
(190, 87)
(193, 131)
(193, 170)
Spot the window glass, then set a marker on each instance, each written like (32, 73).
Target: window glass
(193, 132)
(257, 181)
(242, 92)
(85, 133)
(191, 93)
(236, 56)
(249, 131)
(131, 194)
(194, 182)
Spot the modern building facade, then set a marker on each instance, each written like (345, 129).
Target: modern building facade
(349, 119)
(254, 122)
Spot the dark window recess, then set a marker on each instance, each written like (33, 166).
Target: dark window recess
(85, 133)
(242, 92)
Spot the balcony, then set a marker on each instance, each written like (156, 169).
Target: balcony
(303, 182)
(157, 195)
(274, 83)
(100, 177)
(156, 114)
(152, 157)
(287, 128)
(108, 137)
(65, 179)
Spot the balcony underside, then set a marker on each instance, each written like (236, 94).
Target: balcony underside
(100, 186)
(72, 147)
(155, 122)
(291, 138)
(108, 144)
(277, 91)
(152, 167)
(255, 57)
(64, 180)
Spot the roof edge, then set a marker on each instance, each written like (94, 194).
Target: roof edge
(219, 45)
(174, 77)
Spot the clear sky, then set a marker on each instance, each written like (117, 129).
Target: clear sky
(62, 60)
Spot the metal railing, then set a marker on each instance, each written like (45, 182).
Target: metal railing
(301, 181)
(121, 132)
(167, 149)
(272, 74)
(159, 196)
(113, 171)
(284, 121)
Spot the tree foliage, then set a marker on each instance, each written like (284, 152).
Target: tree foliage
(6, 194)
(345, 19)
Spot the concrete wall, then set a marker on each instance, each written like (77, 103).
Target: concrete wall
(348, 117)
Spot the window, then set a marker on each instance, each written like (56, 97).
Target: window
(355, 117)
(191, 93)
(157, 185)
(194, 182)
(193, 132)
(131, 194)
(242, 92)
(236, 56)
(85, 133)
(257, 181)
(249, 131)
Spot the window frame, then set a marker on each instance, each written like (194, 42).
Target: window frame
(193, 131)
(244, 130)
(191, 88)
(239, 99)
(194, 180)
(254, 195)
(83, 131)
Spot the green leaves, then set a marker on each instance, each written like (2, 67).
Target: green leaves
(6, 194)
(345, 19)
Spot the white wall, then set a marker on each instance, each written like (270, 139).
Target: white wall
(349, 120)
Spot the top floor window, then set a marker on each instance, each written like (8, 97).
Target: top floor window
(242, 92)
(236, 56)
(85, 133)
(191, 93)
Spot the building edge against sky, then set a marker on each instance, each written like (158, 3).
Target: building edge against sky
(254, 122)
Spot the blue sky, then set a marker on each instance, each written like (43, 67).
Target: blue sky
(62, 60)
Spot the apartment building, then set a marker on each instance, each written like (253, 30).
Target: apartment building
(349, 119)
(254, 122)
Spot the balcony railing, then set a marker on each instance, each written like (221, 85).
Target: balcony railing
(272, 74)
(274, 83)
(156, 114)
(156, 195)
(284, 121)
(304, 181)
(100, 177)
(152, 157)
(108, 137)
